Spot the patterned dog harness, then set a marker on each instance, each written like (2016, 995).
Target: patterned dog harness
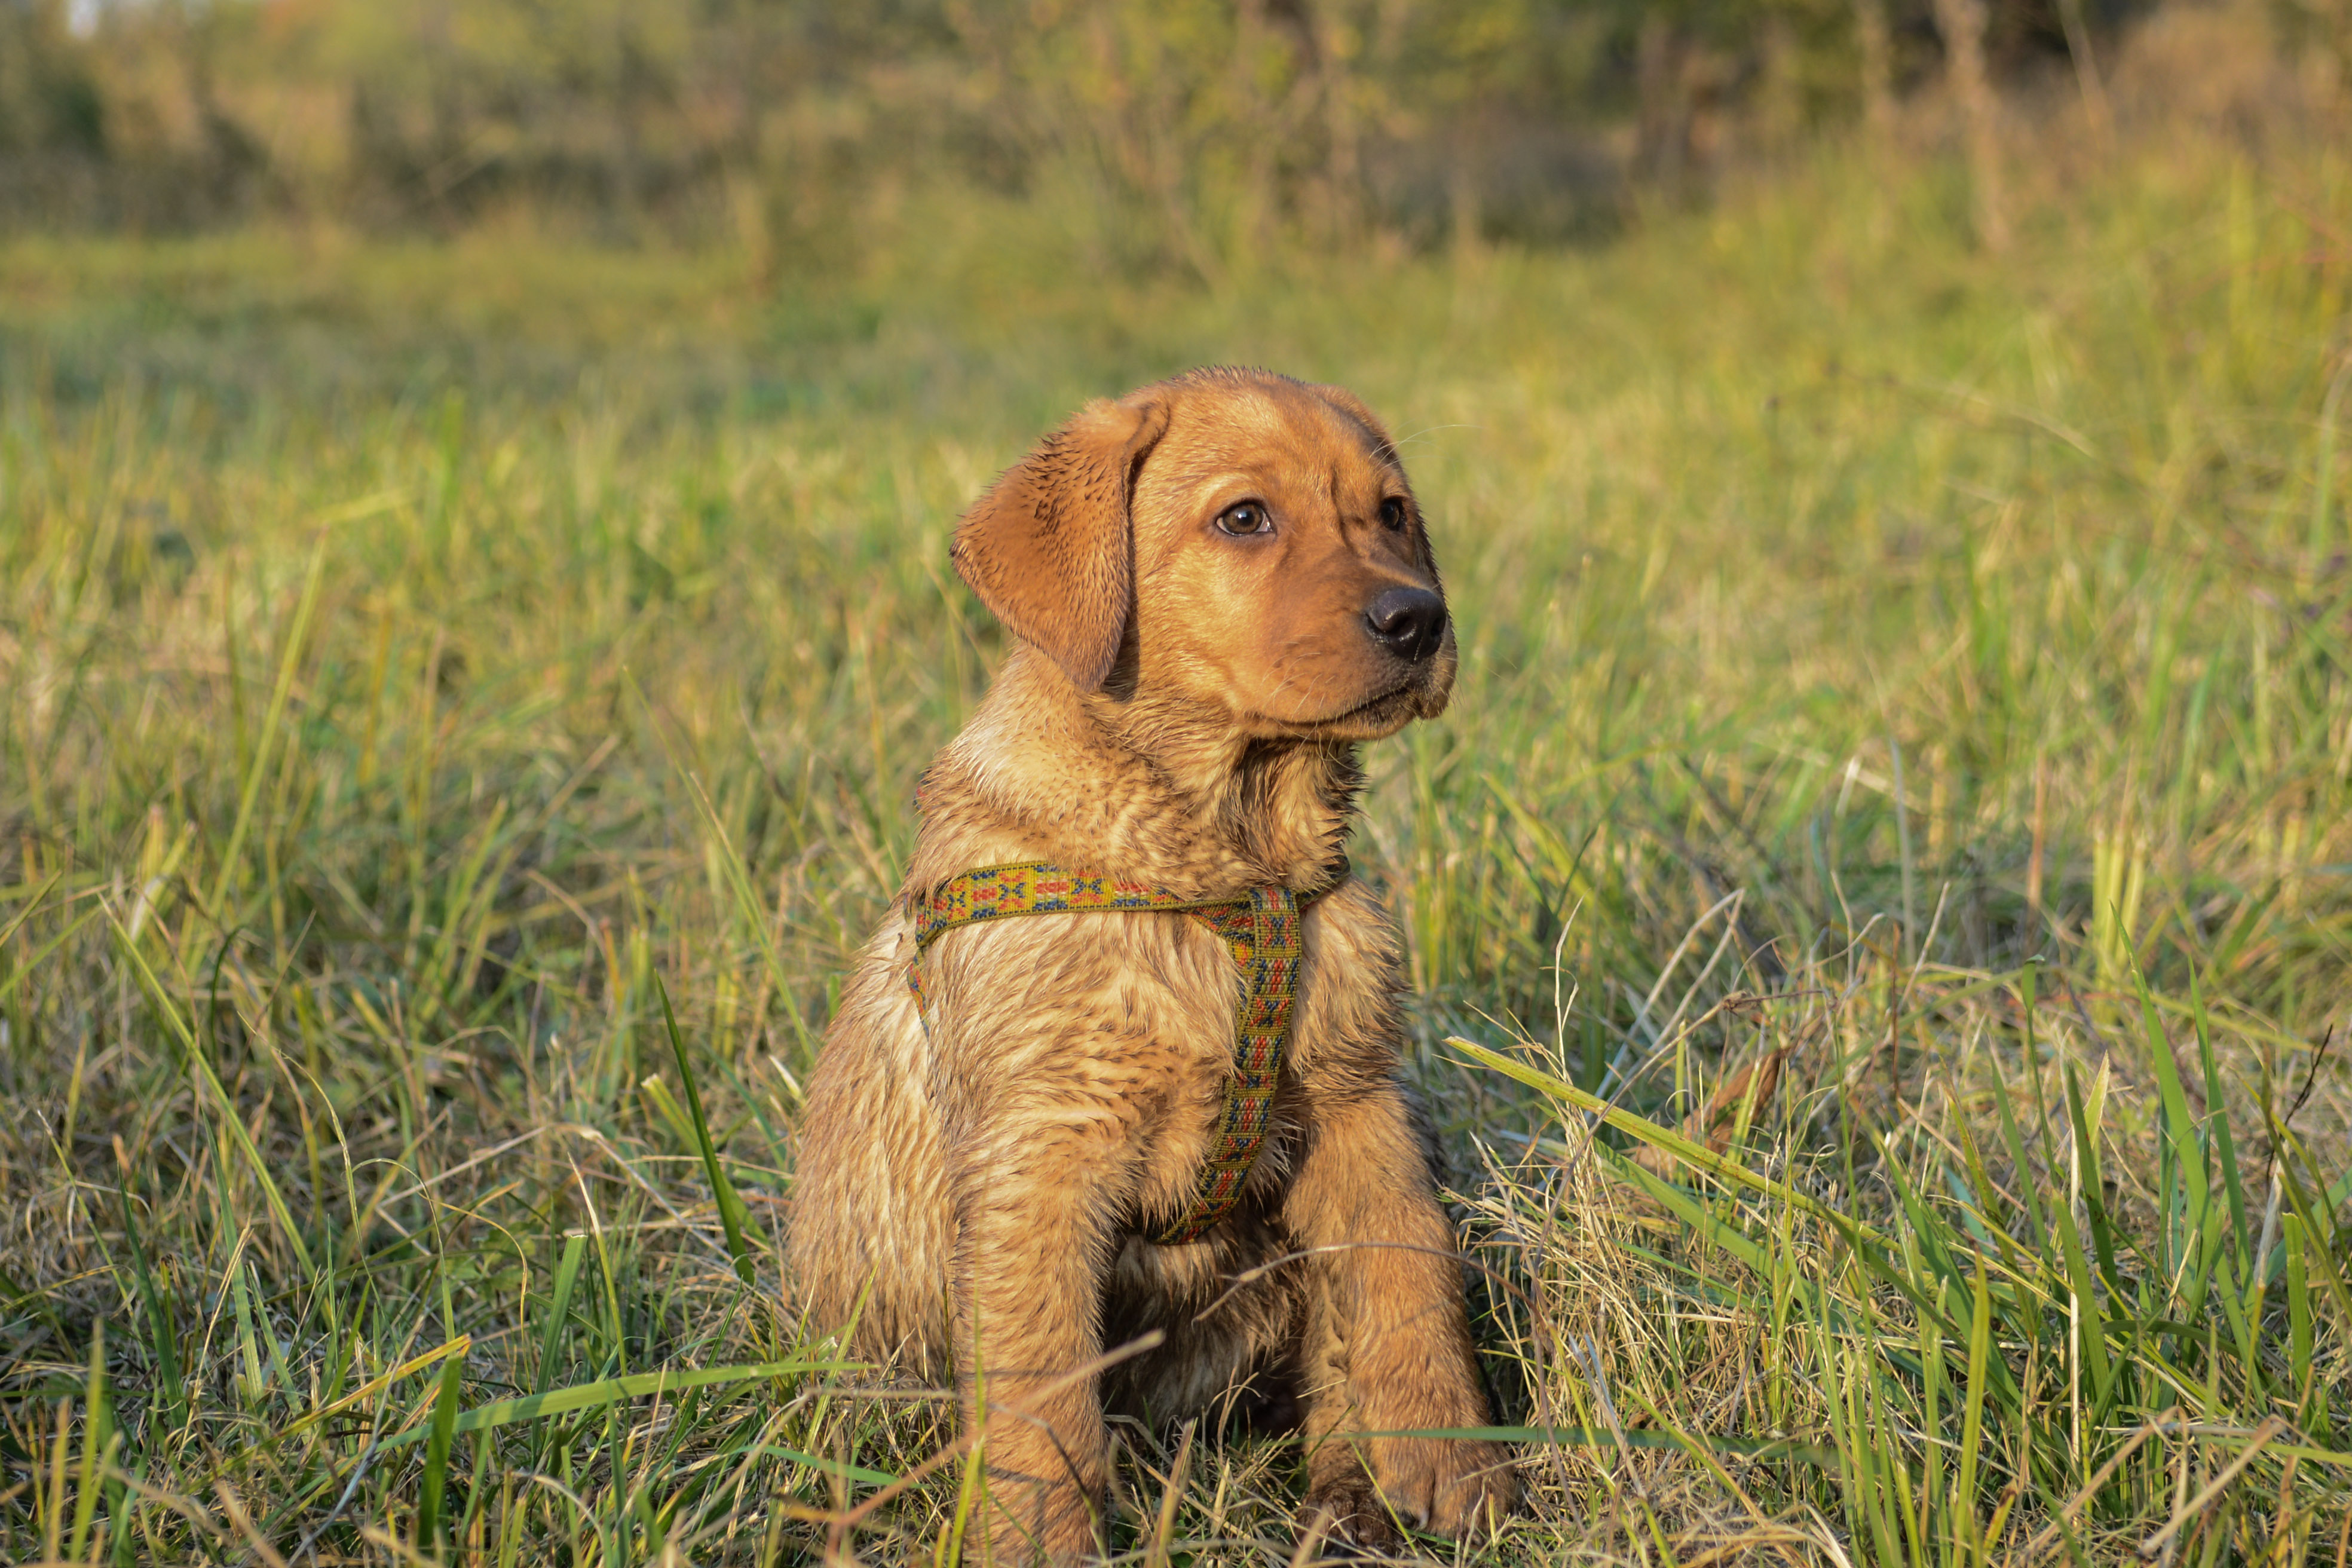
(1261, 931)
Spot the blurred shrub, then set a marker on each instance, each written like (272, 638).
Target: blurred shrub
(1198, 136)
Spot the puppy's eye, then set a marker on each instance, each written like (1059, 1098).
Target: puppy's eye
(1393, 514)
(1244, 518)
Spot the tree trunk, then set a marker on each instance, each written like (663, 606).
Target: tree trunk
(2086, 70)
(1662, 134)
(1877, 70)
(1780, 96)
(1343, 177)
(1253, 237)
(1962, 23)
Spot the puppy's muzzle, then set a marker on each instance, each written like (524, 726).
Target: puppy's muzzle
(1409, 622)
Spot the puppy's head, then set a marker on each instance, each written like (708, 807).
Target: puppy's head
(1231, 537)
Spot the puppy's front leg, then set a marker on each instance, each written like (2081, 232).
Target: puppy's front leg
(1395, 1336)
(1027, 1316)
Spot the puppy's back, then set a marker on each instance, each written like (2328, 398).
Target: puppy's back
(870, 1214)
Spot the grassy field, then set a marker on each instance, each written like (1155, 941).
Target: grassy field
(425, 670)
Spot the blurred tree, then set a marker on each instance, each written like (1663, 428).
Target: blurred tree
(1204, 136)
(49, 102)
(1962, 23)
(2087, 68)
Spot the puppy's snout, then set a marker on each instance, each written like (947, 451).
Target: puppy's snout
(1408, 622)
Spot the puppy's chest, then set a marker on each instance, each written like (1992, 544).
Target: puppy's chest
(1222, 1025)
(1139, 1024)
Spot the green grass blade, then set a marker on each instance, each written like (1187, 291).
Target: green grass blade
(96, 1441)
(2225, 1146)
(2184, 1142)
(567, 1276)
(231, 1124)
(1607, 1438)
(2088, 1121)
(297, 640)
(1932, 1505)
(2298, 1312)
(829, 1467)
(2322, 490)
(32, 901)
(738, 882)
(437, 1441)
(614, 1390)
(1695, 1155)
(162, 1342)
(2316, 1217)
(1969, 1521)
(2089, 1321)
(2029, 1048)
(1690, 1211)
(1927, 1232)
(730, 1207)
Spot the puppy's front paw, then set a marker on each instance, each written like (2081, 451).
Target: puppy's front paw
(1451, 1487)
(1344, 1512)
(1446, 1487)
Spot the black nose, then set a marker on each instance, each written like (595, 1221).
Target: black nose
(1408, 622)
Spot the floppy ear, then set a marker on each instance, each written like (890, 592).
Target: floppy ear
(1048, 548)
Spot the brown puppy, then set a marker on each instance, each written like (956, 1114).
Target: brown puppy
(1222, 583)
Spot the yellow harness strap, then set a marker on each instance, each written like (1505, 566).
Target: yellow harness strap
(1260, 931)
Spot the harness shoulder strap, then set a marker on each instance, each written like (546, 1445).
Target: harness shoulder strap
(997, 892)
(1264, 937)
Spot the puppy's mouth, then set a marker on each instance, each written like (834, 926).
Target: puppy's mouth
(1398, 702)
(1403, 693)
(1416, 697)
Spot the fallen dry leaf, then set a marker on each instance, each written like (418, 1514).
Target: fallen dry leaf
(1713, 1124)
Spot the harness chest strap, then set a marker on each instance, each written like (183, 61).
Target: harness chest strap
(1261, 931)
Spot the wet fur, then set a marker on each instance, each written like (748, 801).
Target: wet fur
(978, 1193)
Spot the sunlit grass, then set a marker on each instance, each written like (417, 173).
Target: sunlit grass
(425, 673)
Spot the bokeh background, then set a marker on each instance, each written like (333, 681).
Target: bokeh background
(1201, 139)
(474, 491)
